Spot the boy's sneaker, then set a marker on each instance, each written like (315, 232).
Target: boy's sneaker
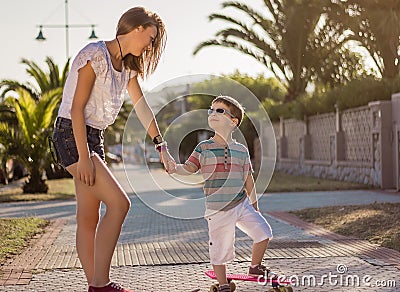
(224, 288)
(111, 287)
(259, 270)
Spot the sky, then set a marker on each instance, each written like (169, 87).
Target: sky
(186, 22)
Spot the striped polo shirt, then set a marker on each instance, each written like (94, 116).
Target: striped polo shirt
(224, 169)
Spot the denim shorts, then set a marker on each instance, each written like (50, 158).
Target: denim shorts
(64, 142)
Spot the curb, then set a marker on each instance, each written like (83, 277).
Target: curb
(18, 270)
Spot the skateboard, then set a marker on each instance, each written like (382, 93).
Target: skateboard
(277, 285)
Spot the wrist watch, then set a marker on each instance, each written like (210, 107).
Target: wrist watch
(158, 139)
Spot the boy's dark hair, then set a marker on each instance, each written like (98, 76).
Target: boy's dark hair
(234, 106)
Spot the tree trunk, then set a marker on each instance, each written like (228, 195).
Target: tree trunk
(35, 184)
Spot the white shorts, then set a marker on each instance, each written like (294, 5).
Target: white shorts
(221, 230)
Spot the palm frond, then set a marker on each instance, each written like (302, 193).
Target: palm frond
(248, 50)
(24, 107)
(45, 108)
(252, 13)
(8, 85)
(65, 72)
(6, 134)
(226, 18)
(54, 73)
(268, 26)
(275, 8)
(37, 73)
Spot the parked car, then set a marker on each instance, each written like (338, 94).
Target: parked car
(113, 158)
(152, 157)
(14, 170)
(3, 177)
(55, 171)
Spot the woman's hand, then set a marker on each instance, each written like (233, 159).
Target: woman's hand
(255, 205)
(85, 171)
(168, 161)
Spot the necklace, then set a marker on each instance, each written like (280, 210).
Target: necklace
(120, 50)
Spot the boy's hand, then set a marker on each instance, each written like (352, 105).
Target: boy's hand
(168, 161)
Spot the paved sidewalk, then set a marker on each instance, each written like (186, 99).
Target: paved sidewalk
(159, 253)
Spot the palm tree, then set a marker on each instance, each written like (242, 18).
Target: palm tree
(8, 125)
(45, 81)
(30, 142)
(376, 26)
(290, 41)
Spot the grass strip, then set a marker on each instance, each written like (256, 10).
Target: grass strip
(59, 189)
(282, 182)
(15, 234)
(378, 223)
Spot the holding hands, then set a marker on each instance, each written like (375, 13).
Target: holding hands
(168, 161)
(166, 158)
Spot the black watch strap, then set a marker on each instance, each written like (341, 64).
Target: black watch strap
(158, 139)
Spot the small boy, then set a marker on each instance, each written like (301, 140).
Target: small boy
(229, 189)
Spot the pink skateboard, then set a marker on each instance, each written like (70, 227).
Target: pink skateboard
(273, 280)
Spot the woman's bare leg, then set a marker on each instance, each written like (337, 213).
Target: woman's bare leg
(87, 218)
(107, 190)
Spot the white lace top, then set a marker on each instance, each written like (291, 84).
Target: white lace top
(108, 91)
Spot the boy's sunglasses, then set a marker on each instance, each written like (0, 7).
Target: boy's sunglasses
(220, 111)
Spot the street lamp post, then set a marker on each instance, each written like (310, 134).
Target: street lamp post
(40, 36)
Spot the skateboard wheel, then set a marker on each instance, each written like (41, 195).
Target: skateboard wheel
(283, 289)
(274, 290)
(214, 288)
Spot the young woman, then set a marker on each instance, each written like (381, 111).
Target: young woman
(93, 95)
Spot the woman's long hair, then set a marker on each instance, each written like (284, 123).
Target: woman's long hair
(146, 63)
